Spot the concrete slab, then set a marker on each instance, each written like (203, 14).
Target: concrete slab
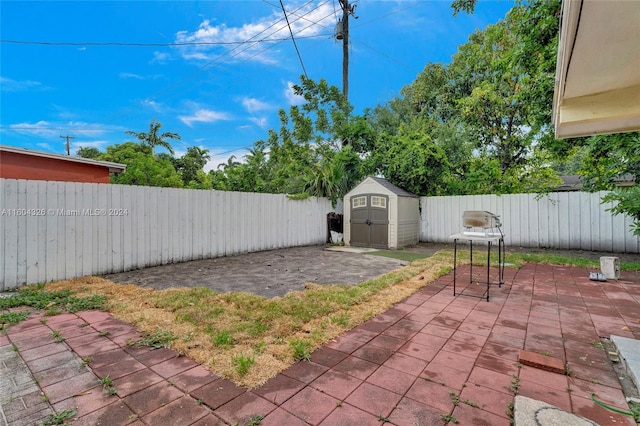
(350, 249)
(629, 352)
(269, 273)
(530, 412)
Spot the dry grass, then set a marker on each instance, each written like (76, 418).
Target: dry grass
(214, 328)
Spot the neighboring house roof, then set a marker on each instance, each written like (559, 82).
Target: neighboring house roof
(391, 187)
(575, 183)
(597, 88)
(114, 168)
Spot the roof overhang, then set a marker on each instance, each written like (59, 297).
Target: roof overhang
(114, 168)
(597, 87)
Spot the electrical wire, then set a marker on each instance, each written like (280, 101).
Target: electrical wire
(190, 81)
(216, 62)
(127, 44)
(293, 38)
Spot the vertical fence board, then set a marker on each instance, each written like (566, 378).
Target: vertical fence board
(41, 208)
(51, 233)
(544, 227)
(31, 225)
(10, 240)
(97, 234)
(562, 212)
(573, 221)
(618, 234)
(606, 223)
(595, 223)
(217, 223)
(69, 230)
(21, 235)
(584, 207)
(4, 216)
(117, 225)
(534, 219)
(127, 228)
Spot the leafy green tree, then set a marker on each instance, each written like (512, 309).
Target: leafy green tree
(610, 159)
(153, 138)
(415, 163)
(491, 106)
(142, 167)
(190, 166)
(467, 6)
(89, 152)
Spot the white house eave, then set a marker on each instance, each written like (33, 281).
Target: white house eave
(597, 87)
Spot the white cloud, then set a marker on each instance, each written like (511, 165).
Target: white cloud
(10, 85)
(46, 129)
(306, 21)
(259, 121)
(76, 145)
(160, 57)
(252, 105)
(292, 98)
(153, 105)
(204, 116)
(45, 146)
(125, 75)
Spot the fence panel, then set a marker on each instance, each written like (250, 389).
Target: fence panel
(558, 220)
(91, 229)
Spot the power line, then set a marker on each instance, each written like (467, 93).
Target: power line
(293, 39)
(219, 60)
(131, 44)
(191, 77)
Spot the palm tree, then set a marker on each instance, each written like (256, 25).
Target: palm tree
(152, 139)
(231, 162)
(328, 179)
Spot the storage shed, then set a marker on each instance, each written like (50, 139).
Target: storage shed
(379, 214)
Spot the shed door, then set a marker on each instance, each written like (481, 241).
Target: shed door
(370, 220)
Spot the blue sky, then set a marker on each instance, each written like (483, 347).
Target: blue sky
(222, 97)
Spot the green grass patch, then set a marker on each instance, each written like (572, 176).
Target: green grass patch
(517, 259)
(59, 418)
(11, 318)
(242, 363)
(301, 349)
(37, 297)
(222, 338)
(399, 254)
(155, 340)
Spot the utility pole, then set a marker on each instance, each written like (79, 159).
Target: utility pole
(347, 9)
(67, 144)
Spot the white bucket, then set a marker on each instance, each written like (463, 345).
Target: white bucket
(610, 267)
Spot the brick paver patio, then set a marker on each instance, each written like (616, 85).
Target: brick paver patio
(431, 357)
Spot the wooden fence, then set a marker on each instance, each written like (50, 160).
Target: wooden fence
(563, 220)
(60, 230)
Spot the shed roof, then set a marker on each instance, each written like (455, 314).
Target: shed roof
(391, 187)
